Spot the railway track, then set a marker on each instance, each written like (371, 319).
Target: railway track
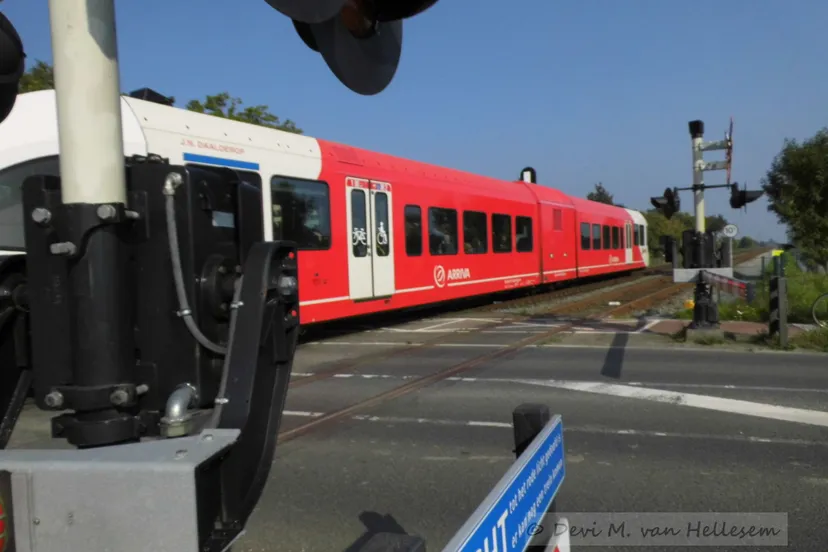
(641, 290)
(457, 368)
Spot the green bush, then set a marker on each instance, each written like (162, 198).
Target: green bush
(803, 289)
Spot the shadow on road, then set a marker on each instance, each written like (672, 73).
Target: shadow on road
(383, 533)
(615, 356)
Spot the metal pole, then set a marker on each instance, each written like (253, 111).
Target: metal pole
(697, 134)
(705, 314)
(88, 90)
(94, 196)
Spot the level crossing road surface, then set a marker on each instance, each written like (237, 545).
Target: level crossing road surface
(645, 430)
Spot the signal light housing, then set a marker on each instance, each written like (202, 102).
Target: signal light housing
(740, 198)
(360, 40)
(12, 66)
(668, 204)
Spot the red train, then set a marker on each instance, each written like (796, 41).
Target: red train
(376, 232)
(422, 234)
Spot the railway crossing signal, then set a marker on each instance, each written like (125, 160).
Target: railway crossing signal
(698, 246)
(669, 204)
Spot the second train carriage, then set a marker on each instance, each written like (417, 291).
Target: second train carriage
(375, 232)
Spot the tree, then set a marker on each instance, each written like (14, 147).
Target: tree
(601, 195)
(797, 189)
(746, 242)
(227, 107)
(40, 76)
(715, 223)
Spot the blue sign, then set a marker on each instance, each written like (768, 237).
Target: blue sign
(506, 519)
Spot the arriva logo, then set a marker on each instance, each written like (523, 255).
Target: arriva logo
(454, 274)
(614, 259)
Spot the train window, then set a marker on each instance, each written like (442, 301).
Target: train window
(442, 231)
(607, 244)
(643, 235)
(11, 210)
(523, 234)
(636, 234)
(616, 237)
(382, 230)
(596, 236)
(501, 233)
(413, 231)
(557, 223)
(475, 234)
(249, 177)
(628, 238)
(585, 241)
(359, 223)
(301, 212)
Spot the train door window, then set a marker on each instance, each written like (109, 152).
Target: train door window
(523, 234)
(301, 212)
(382, 230)
(607, 244)
(413, 231)
(629, 239)
(636, 234)
(585, 241)
(557, 223)
(596, 236)
(616, 238)
(501, 233)
(643, 235)
(442, 231)
(359, 223)
(475, 233)
(11, 198)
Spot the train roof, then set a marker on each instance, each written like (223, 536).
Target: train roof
(598, 208)
(32, 127)
(426, 175)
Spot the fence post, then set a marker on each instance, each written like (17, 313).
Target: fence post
(778, 324)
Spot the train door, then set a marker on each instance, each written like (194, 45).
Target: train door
(559, 255)
(628, 243)
(370, 252)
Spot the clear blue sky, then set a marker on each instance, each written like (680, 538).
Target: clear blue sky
(584, 91)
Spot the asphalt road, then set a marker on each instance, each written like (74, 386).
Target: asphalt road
(646, 430)
(423, 462)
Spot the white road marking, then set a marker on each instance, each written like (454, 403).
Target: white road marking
(537, 381)
(567, 429)
(440, 325)
(731, 406)
(647, 326)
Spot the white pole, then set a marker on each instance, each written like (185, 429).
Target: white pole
(698, 180)
(87, 85)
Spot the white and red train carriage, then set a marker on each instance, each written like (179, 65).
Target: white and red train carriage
(375, 232)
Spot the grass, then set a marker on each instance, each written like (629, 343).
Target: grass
(813, 340)
(803, 289)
